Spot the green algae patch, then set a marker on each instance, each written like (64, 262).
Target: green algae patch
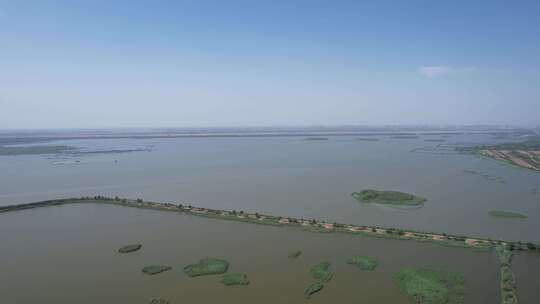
(231, 279)
(130, 248)
(431, 285)
(294, 254)
(393, 198)
(363, 262)
(155, 269)
(313, 288)
(321, 272)
(158, 301)
(207, 266)
(506, 214)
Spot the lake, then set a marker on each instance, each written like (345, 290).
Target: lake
(295, 177)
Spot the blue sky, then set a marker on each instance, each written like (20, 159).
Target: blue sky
(228, 63)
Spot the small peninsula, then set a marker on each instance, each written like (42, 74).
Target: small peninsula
(363, 262)
(518, 154)
(393, 198)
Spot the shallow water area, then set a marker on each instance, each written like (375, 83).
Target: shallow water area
(69, 254)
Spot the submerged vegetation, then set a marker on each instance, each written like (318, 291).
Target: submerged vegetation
(486, 176)
(155, 269)
(130, 248)
(388, 198)
(363, 262)
(431, 285)
(313, 288)
(158, 301)
(231, 279)
(506, 214)
(294, 254)
(207, 266)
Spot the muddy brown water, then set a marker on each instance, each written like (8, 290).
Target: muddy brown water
(68, 254)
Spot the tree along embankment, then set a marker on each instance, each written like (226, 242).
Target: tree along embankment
(508, 279)
(310, 225)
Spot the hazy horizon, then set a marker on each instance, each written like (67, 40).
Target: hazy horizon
(181, 64)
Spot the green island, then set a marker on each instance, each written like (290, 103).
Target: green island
(231, 279)
(313, 288)
(363, 262)
(294, 254)
(431, 285)
(207, 266)
(393, 198)
(508, 280)
(321, 272)
(506, 214)
(130, 248)
(155, 269)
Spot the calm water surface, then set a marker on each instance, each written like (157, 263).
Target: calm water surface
(293, 176)
(526, 266)
(68, 254)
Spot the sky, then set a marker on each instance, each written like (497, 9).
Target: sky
(101, 64)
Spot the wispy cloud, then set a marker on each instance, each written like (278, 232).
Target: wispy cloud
(434, 71)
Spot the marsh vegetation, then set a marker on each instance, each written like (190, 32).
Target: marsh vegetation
(431, 285)
(230, 279)
(155, 269)
(363, 262)
(130, 248)
(208, 266)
